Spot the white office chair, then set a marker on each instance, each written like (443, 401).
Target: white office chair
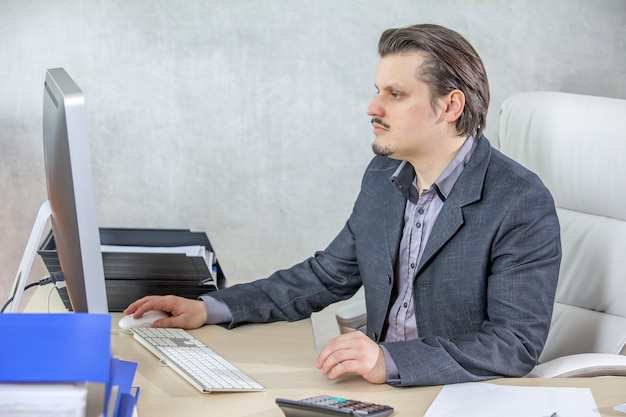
(577, 145)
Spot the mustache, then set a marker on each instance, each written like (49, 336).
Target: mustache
(379, 121)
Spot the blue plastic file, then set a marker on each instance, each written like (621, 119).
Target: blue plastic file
(61, 348)
(55, 347)
(120, 385)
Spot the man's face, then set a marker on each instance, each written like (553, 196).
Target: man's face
(405, 124)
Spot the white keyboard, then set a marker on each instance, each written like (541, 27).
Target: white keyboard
(197, 363)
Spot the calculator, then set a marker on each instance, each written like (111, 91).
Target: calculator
(326, 405)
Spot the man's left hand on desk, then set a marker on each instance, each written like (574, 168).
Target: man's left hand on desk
(353, 352)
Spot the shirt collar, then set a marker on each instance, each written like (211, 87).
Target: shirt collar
(404, 178)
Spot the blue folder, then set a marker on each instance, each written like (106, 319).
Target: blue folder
(65, 348)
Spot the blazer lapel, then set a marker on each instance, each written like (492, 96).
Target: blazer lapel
(394, 223)
(467, 190)
(450, 220)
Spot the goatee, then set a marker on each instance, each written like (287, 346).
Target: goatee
(381, 150)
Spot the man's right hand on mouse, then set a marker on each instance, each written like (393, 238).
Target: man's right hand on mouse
(185, 313)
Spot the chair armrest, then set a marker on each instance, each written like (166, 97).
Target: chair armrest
(351, 317)
(581, 365)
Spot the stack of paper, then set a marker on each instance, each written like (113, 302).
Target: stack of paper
(34, 400)
(189, 251)
(477, 399)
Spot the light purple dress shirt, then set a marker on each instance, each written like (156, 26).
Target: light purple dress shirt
(420, 214)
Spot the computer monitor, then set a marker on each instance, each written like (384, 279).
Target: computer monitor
(70, 192)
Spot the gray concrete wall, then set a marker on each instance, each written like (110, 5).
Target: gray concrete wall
(246, 118)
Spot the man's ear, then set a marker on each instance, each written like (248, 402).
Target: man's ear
(455, 103)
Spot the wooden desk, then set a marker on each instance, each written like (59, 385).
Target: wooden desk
(281, 356)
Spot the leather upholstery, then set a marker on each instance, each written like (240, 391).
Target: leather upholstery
(577, 146)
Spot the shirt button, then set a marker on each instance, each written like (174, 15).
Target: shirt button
(406, 305)
(412, 265)
(420, 211)
(418, 225)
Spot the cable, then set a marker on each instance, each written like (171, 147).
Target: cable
(54, 278)
(52, 288)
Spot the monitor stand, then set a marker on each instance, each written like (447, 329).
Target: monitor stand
(26, 264)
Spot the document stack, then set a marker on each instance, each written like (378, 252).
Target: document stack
(34, 400)
(140, 262)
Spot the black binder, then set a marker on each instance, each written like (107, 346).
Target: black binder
(130, 276)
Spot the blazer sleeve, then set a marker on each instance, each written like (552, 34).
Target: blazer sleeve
(295, 293)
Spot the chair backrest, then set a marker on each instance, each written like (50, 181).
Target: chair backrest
(577, 146)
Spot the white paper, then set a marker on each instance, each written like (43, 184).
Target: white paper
(186, 250)
(42, 400)
(476, 399)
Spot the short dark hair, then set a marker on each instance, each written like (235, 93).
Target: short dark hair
(451, 63)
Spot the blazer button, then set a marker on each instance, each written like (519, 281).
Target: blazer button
(374, 336)
(389, 279)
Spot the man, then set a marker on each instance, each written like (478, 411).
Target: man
(456, 245)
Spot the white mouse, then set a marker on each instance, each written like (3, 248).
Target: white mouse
(149, 317)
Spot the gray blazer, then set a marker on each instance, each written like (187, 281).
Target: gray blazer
(484, 289)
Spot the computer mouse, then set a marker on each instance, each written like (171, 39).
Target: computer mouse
(149, 317)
